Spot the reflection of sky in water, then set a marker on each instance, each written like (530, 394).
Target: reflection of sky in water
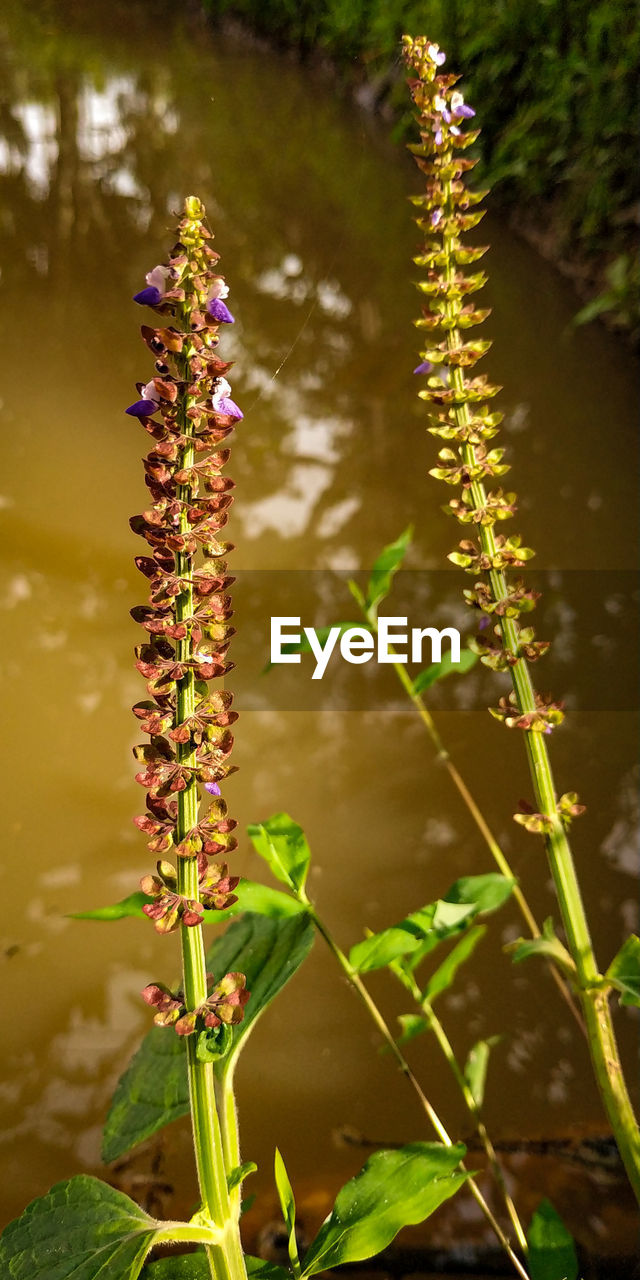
(101, 135)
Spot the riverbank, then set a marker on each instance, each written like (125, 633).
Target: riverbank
(554, 84)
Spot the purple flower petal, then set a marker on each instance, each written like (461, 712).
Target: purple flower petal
(438, 137)
(225, 405)
(149, 297)
(465, 111)
(142, 408)
(425, 366)
(212, 788)
(219, 311)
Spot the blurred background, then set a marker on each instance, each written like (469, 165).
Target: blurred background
(110, 116)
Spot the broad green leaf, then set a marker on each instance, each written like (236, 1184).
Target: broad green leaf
(153, 1090)
(186, 1266)
(624, 971)
(487, 892)
(445, 974)
(282, 844)
(418, 934)
(475, 1068)
(303, 645)
(552, 1253)
(288, 1206)
(438, 670)
(239, 1174)
(81, 1229)
(251, 897)
(549, 947)
(194, 1266)
(385, 567)
(260, 1269)
(413, 1024)
(394, 1189)
(131, 906)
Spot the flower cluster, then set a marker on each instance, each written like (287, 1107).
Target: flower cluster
(459, 400)
(224, 1005)
(187, 410)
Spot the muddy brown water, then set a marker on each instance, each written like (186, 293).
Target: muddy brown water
(109, 118)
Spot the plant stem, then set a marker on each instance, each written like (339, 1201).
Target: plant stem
(229, 1129)
(226, 1260)
(498, 856)
(594, 1000)
(442, 1038)
(356, 982)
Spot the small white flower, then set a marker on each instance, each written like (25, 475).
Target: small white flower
(150, 392)
(218, 289)
(157, 279)
(221, 392)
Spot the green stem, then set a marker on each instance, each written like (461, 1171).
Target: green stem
(229, 1129)
(356, 982)
(226, 1260)
(483, 827)
(442, 1038)
(595, 1004)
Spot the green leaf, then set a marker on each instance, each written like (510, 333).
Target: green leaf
(260, 1269)
(288, 1206)
(80, 1229)
(487, 892)
(413, 1024)
(624, 971)
(438, 670)
(194, 1266)
(418, 934)
(131, 906)
(552, 1253)
(251, 897)
(187, 1266)
(214, 1043)
(394, 1189)
(153, 1090)
(444, 976)
(385, 567)
(475, 1068)
(239, 1174)
(282, 844)
(549, 947)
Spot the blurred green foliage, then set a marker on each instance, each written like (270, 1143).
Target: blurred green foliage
(554, 83)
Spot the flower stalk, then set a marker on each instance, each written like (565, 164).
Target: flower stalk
(443, 757)
(460, 415)
(364, 995)
(187, 410)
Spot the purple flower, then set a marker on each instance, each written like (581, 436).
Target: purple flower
(438, 137)
(156, 287)
(436, 217)
(212, 788)
(218, 310)
(436, 54)
(147, 405)
(221, 402)
(425, 366)
(149, 297)
(459, 107)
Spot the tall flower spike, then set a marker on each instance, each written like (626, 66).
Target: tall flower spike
(187, 409)
(460, 414)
